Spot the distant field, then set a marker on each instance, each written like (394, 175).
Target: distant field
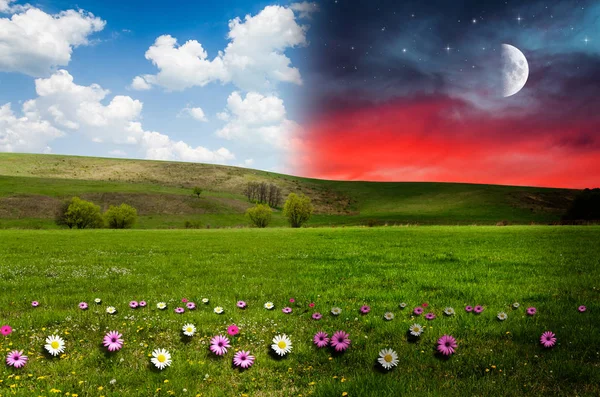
(554, 269)
(33, 186)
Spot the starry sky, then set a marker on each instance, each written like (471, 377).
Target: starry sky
(410, 91)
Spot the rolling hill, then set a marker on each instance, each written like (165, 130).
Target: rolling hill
(32, 187)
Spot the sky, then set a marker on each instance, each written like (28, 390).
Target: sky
(381, 90)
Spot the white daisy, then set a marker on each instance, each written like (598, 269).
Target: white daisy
(205, 301)
(282, 344)
(502, 316)
(98, 301)
(161, 358)
(336, 311)
(388, 358)
(55, 345)
(111, 310)
(402, 306)
(416, 330)
(218, 310)
(189, 330)
(516, 305)
(161, 305)
(388, 316)
(449, 311)
(269, 305)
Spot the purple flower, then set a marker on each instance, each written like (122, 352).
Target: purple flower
(548, 339)
(430, 316)
(418, 311)
(133, 304)
(469, 309)
(446, 345)
(316, 316)
(113, 341)
(365, 309)
(243, 359)
(190, 305)
(241, 304)
(233, 330)
(531, 311)
(292, 300)
(321, 339)
(143, 303)
(35, 303)
(16, 359)
(179, 310)
(340, 341)
(287, 310)
(478, 309)
(219, 345)
(6, 330)
(83, 305)
(582, 308)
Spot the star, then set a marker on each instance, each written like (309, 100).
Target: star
(586, 40)
(448, 48)
(404, 50)
(383, 29)
(519, 18)
(474, 20)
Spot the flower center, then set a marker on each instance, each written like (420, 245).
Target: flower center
(161, 358)
(54, 345)
(282, 344)
(387, 358)
(114, 340)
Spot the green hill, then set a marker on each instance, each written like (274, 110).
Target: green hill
(33, 186)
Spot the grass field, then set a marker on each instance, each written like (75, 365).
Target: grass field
(33, 186)
(554, 269)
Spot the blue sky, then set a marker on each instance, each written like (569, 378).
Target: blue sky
(113, 55)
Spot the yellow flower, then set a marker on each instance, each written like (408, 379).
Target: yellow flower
(166, 381)
(312, 383)
(100, 388)
(487, 370)
(345, 393)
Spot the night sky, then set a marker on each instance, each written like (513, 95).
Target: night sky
(411, 91)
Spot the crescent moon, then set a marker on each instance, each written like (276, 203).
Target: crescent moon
(515, 70)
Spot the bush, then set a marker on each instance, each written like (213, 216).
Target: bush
(298, 209)
(585, 206)
(121, 217)
(197, 191)
(260, 216)
(80, 214)
(192, 224)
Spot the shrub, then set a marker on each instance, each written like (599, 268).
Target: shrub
(192, 224)
(298, 209)
(80, 214)
(197, 191)
(260, 215)
(121, 217)
(585, 206)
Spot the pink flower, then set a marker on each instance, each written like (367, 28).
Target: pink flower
(478, 309)
(311, 305)
(469, 309)
(430, 316)
(321, 339)
(287, 310)
(16, 359)
(340, 341)
(316, 316)
(241, 304)
(292, 300)
(143, 303)
(233, 330)
(582, 308)
(184, 300)
(113, 341)
(83, 305)
(133, 304)
(190, 305)
(418, 311)
(243, 359)
(548, 339)
(365, 309)
(446, 345)
(6, 330)
(425, 304)
(531, 311)
(35, 303)
(219, 345)
(179, 310)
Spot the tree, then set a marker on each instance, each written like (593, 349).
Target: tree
(197, 191)
(263, 193)
(121, 217)
(260, 215)
(585, 206)
(298, 209)
(80, 214)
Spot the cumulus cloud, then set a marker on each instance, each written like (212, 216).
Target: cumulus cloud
(257, 119)
(139, 84)
(304, 9)
(20, 134)
(254, 59)
(195, 113)
(35, 43)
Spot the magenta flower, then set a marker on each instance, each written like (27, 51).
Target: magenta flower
(179, 310)
(219, 345)
(243, 359)
(190, 305)
(430, 316)
(233, 330)
(469, 309)
(143, 303)
(83, 305)
(16, 359)
(531, 311)
(425, 304)
(113, 341)
(6, 330)
(292, 300)
(446, 345)
(321, 339)
(311, 305)
(133, 304)
(418, 311)
(287, 310)
(365, 309)
(35, 303)
(478, 309)
(582, 308)
(548, 339)
(340, 341)
(316, 316)
(184, 300)
(241, 304)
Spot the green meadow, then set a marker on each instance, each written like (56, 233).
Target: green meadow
(554, 269)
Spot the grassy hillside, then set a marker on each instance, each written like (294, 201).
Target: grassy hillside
(32, 187)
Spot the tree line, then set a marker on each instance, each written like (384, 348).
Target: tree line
(263, 193)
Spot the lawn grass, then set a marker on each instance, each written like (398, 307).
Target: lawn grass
(555, 269)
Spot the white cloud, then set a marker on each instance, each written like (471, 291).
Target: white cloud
(257, 119)
(34, 42)
(304, 9)
(254, 59)
(160, 147)
(6, 7)
(140, 84)
(195, 113)
(20, 134)
(248, 162)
